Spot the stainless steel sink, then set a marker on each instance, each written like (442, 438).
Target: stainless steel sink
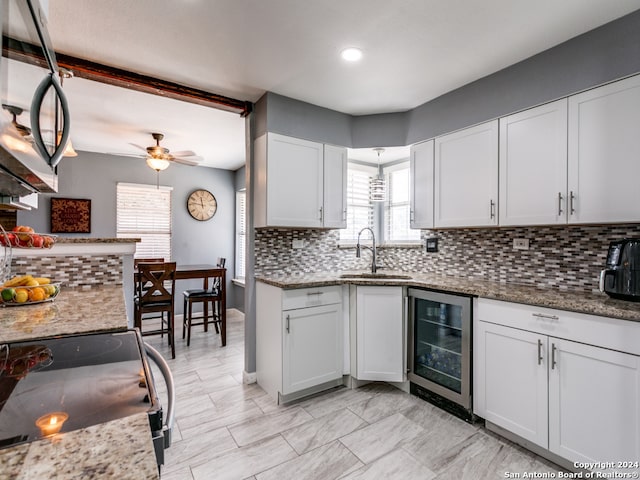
(381, 276)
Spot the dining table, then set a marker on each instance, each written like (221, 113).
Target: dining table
(206, 271)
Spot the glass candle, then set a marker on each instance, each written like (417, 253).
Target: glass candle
(51, 423)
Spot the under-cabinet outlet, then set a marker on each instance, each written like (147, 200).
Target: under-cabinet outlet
(297, 244)
(521, 244)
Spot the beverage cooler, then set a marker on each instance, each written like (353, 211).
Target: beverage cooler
(440, 349)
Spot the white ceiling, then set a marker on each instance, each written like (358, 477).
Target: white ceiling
(414, 51)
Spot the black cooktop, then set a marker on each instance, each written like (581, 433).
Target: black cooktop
(90, 378)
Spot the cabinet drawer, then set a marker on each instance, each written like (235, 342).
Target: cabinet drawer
(615, 334)
(311, 297)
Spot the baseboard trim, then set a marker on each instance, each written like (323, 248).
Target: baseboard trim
(249, 377)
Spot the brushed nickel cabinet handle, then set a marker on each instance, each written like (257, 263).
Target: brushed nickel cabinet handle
(492, 205)
(320, 213)
(288, 326)
(572, 197)
(559, 203)
(539, 352)
(553, 356)
(315, 293)
(542, 315)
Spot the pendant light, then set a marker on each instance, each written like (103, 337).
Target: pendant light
(68, 150)
(378, 185)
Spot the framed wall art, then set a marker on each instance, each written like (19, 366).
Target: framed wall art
(70, 215)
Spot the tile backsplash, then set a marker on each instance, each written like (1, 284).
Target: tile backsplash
(72, 271)
(565, 257)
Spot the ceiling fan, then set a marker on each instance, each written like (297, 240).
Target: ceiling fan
(158, 157)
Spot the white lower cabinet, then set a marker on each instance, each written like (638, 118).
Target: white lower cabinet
(312, 347)
(594, 403)
(544, 383)
(380, 334)
(299, 340)
(512, 381)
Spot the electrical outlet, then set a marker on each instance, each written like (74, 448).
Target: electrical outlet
(521, 244)
(432, 244)
(297, 244)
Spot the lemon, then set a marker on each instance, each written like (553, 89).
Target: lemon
(21, 295)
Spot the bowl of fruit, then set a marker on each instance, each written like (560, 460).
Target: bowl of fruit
(23, 236)
(27, 290)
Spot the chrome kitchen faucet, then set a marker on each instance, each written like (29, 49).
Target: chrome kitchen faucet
(372, 248)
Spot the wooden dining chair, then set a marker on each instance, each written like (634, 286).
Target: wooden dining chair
(213, 295)
(155, 287)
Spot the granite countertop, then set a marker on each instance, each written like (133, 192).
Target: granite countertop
(95, 240)
(73, 311)
(119, 449)
(575, 301)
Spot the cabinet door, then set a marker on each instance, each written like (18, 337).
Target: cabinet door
(335, 187)
(421, 198)
(511, 388)
(604, 148)
(312, 347)
(594, 403)
(533, 166)
(466, 177)
(380, 334)
(294, 182)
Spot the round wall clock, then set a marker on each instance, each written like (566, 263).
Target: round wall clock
(202, 205)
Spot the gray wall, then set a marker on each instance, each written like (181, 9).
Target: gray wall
(94, 176)
(607, 53)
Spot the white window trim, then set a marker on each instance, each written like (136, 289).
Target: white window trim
(386, 170)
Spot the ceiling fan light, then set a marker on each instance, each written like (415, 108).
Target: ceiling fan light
(157, 164)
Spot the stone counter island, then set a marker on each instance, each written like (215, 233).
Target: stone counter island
(91, 300)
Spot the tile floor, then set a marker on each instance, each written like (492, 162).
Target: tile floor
(228, 430)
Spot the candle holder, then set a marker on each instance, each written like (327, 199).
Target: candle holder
(51, 423)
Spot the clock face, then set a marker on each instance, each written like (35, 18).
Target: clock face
(202, 205)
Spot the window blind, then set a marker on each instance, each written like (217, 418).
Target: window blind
(241, 231)
(144, 211)
(360, 209)
(397, 208)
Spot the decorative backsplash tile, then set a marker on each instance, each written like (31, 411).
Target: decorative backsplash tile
(565, 257)
(72, 271)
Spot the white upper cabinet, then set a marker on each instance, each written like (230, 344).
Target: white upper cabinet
(533, 166)
(604, 154)
(291, 189)
(466, 177)
(421, 197)
(335, 187)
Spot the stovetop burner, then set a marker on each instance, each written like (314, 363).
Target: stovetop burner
(90, 378)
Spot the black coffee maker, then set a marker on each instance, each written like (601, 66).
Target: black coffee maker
(621, 278)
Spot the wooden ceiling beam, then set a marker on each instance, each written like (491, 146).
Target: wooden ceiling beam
(123, 78)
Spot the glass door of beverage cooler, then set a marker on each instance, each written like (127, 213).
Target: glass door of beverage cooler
(440, 354)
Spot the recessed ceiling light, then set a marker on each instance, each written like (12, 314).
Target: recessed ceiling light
(351, 54)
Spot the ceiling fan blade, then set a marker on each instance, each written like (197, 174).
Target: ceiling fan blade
(193, 161)
(144, 149)
(184, 153)
(120, 154)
